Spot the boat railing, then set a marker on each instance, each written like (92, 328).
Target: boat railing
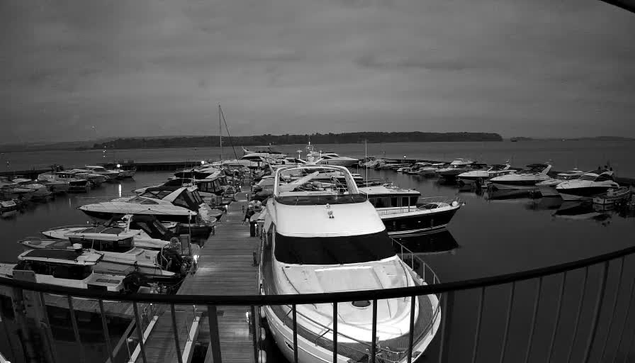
(590, 298)
(382, 353)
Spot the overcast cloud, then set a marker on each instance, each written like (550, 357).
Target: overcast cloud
(85, 69)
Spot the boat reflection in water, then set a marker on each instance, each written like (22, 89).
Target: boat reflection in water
(544, 204)
(437, 242)
(582, 211)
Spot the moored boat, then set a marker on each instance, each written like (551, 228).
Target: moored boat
(523, 180)
(69, 268)
(612, 196)
(587, 186)
(326, 237)
(403, 212)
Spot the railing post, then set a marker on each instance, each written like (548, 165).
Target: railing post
(139, 332)
(177, 345)
(557, 319)
(596, 312)
(78, 340)
(478, 324)
(255, 328)
(510, 305)
(446, 325)
(628, 312)
(334, 332)
(578, 313)
(104, 325)
(373, 346)
(295, 333)
(617, 295)
(412, 326)
(212, 318)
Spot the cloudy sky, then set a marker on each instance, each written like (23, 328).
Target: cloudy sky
(85, 69)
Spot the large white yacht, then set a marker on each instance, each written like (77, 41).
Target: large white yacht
(587, 186)
(547, 187)
(456, 167)
(175, 204)
(326, 237)
(523, 180)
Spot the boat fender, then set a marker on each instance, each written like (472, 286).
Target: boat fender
(455, 203)
(262, 356)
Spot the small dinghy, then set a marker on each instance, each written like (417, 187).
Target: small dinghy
(612, 196)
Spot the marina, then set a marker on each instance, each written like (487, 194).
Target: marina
(229, 259)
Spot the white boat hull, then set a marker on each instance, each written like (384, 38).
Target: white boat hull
(309, 352)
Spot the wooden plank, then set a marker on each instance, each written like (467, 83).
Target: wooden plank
(225, 266)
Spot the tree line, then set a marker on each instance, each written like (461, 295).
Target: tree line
(316, 138)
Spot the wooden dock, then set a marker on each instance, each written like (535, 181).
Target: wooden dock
(225, 266)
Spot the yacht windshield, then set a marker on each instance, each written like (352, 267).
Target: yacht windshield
(333, 250)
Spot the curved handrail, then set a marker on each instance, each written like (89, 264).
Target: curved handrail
(242, 300)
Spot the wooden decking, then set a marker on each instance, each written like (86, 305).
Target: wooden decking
(225, 266)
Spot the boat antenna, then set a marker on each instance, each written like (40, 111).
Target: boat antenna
(222, 114)
(220, 133)
(366, 161)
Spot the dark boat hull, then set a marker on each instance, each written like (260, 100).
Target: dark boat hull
(402, 225)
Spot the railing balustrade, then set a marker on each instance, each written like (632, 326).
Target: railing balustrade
(574, 312)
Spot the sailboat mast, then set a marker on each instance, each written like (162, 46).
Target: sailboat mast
(220, 133)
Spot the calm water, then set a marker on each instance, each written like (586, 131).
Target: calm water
(493, 236)
(563, 154)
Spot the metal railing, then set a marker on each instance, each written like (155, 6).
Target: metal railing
(573, 312)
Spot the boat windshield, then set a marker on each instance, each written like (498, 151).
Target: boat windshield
(588, 177)
(333, 250)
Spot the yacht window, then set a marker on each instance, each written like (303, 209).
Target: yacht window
(373, 201)
(588, 177)
(404, 202)
(333, 250)
(70, 272)
(413, 200)
(604, 177)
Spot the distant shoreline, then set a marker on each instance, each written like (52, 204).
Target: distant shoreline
(278, 140)
(258, 140)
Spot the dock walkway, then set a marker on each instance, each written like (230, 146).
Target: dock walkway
(225, 266)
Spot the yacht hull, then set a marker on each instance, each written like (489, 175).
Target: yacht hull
(419, 221)
(312, 352)
(573, 194)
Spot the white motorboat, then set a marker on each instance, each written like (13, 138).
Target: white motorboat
(480, 176)
(109, 174)
(547, 187)
(94, 179)
(403, 212)
(147, 232)
(260, 155)
(12, 191)
(54, 184)
(76, 184)
(523, 180)
(69, 268)
(587, 186)
(331, 158)
(119, 255)
(326, 237)
(164, 210)
(8, 208)
(201, 172)
(456, 167)
(40, 191)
